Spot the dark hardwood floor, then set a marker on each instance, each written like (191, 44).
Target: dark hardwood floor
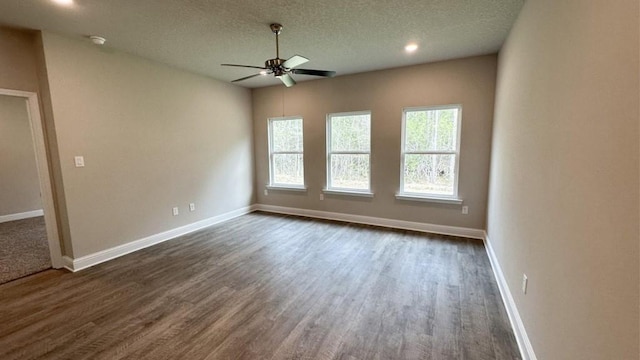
(267, 287)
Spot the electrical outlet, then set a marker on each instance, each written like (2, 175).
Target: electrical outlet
(321, 196)
(266, 192)
(79, 161)
(192, 207)
(525, 282)
(465, 209)
(176, 211)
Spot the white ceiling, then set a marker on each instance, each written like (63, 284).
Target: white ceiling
(348, 36)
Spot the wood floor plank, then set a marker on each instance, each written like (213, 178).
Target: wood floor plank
(265, 286)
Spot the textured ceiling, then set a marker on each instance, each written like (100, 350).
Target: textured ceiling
(346, 36)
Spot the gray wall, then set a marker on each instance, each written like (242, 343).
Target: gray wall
(564, 176)
(19, 183)
(152, 136)
(17, 60)
(470, 82)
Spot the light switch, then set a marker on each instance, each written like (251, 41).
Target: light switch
(79, 160)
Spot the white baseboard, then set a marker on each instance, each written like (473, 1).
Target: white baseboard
(20, 216)
(76, 264)
(368, 220)
(67, 263)
(514, 317)
(526, 349)
(120, 250)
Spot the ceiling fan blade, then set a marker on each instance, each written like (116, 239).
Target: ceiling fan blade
(246, 77)
(287, 80)
(324, 73)
(245, 66)
(295, 60)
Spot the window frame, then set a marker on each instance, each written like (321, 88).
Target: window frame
(272, 184)
(405, 195)
(341, 190)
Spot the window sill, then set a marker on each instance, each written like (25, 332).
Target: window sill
(348, 192)
(433, 199)
(286, 188)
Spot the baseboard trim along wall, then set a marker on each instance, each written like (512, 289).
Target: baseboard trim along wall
(20, 216)
(120, 250)
(526, 349)
(512, 311)
(368, 220)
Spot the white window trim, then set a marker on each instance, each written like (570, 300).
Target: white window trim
(280, 186)
(301, 188)
(437, 198)
(433, 199)
(346, 191)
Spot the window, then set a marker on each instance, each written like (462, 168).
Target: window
(286, 163)
(348, 152)
(430, 151)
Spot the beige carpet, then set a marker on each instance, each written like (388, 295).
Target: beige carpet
(24, 249)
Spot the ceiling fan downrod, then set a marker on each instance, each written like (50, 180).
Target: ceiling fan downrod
(276, 29)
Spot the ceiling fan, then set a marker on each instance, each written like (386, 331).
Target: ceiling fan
(282, 69)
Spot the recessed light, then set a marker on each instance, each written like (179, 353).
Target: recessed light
(63, 2)
(411, 48)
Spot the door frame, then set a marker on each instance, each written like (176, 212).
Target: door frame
(46, 191)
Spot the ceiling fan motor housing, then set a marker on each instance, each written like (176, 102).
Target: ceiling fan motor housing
(275, 65)
(272, 63)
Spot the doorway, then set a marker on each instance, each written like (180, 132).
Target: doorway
(28, 233)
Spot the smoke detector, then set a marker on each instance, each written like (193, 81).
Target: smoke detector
(98, 40)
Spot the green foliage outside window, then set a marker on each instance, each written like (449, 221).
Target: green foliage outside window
(287, 162)
(430, 148)
(349, 147)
